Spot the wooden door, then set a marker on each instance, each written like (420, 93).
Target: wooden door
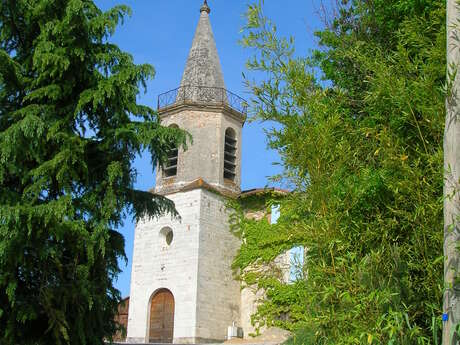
(161, 326)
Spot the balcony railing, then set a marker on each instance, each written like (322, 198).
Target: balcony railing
(202, 95)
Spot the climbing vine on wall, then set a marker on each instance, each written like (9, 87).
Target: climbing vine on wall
(256, 263)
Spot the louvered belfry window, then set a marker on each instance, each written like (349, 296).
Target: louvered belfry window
(230, 154)
(170, 166)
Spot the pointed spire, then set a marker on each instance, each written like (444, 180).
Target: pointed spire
(205, 7)
(203, 65)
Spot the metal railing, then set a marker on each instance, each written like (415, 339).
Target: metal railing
(202, 95)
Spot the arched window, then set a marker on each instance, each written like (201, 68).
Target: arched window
(230, 154)
(170, 166)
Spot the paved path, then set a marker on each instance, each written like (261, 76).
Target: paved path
(271, 336)
(161, 344)
(242, 343)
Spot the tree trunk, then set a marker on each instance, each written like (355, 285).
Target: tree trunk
(451, 302)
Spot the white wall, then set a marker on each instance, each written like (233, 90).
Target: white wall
(196, 268)
(218, 302)
(157, 265)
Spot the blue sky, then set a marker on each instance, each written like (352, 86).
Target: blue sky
(160, 33)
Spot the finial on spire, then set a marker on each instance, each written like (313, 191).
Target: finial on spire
(205, 7)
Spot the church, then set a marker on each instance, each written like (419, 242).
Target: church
(182, 285)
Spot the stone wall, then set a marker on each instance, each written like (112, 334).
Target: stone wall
(218, 293)
(204, 157)
(175, 267)
(251, 296)
(196, 268)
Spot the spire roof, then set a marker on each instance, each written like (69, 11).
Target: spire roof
(203, 66)
(205, 7)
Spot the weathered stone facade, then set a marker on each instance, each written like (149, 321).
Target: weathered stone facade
(157, 265)
(205, 158)
(195, 267)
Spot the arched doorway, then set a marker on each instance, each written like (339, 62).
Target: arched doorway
(161, 323)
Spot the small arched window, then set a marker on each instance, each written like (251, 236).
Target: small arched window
(170, 166)
(230, 154)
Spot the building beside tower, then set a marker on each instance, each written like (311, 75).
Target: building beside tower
(182, 284)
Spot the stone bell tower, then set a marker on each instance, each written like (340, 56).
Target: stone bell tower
(182, 289)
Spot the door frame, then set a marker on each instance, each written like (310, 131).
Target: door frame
(149, 308)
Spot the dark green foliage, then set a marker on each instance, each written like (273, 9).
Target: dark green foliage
(363, 149)
(70, 128)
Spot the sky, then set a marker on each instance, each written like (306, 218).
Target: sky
(160, 33)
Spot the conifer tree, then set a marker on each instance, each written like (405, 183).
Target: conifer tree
(70, 128)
